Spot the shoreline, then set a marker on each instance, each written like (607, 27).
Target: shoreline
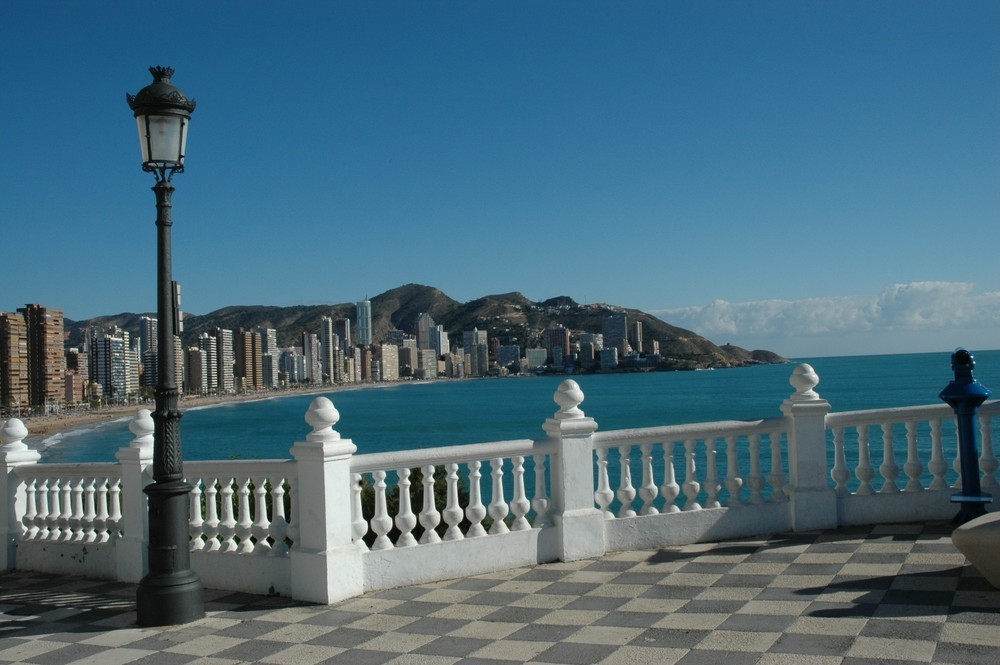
(41, 427)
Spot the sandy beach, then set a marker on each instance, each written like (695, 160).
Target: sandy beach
(47, 425)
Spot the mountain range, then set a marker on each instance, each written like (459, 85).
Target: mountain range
(511, 317)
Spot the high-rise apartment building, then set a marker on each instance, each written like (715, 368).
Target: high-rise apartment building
(270, 356)
(13, 364)
(224, 360)
(556, 336)
(110, 365)
(329, 343)
(615, 330)
(249, 366)
(635, 336)
(344, 333)
(208, 345)
(311, 353)
(364, 310)
(46, 354)
(389, 357)
(425, 324)
(196, 371)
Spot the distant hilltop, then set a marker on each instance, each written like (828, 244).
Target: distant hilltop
(510, 317)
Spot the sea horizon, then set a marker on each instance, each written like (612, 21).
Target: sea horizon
(500, 406)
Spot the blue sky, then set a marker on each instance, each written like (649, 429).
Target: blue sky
(816, 178)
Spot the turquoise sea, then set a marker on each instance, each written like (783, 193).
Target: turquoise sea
(446, 412)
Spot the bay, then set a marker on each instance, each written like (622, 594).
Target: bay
(409, 415)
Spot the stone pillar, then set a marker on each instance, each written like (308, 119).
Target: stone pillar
(813, 502)
(13, 453)
(132, 551)
(580, 523)
(326, 566)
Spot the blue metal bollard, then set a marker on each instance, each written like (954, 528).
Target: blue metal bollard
(964, 395)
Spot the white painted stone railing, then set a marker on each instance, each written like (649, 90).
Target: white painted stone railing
(329, 524)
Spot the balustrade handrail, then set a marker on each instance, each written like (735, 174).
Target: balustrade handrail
(67, 470)
(638, 436)
(447, 454)
(901, 414)
(285, 467)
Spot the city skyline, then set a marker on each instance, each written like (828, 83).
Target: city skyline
(814, 179)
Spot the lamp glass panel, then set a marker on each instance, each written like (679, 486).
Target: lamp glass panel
(162, 138)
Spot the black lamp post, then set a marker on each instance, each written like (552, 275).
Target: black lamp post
(171, 592)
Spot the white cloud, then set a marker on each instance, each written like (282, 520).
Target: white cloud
(924, 310)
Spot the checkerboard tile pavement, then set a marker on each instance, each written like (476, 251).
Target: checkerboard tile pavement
(885, 594)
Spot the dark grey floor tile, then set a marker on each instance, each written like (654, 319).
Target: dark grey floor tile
(606, 603)
(674, 638)
(456, 647)
(68, 654)
(712, 606)
(672, 592)
(629, 619)
(415, 608)
(812, 645)
(766, 623)
(575, 654)
(162, 658)
(514, 614)
(967, 654)
(361, 657)
(900, 629)
(252, 650)
(744, 581)
(432, 626)
(332, 618)
(569, 588)
(540, 632)
(344, 637)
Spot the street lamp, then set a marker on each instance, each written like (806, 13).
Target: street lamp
(171, 592)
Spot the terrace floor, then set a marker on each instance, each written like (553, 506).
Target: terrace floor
(884, 594)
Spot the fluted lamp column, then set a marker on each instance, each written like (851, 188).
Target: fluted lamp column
(171, 592)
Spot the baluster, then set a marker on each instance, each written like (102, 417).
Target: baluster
(196, 522)
(55, 509)
(937, 466)
(476, 512)
(429, 515)
(75, 526)
(914, 469)
(756, 479)
(840, 473)
(260, 522)
(89, 519)
(987, 459)
(777, 475)
(734, 483)
(670, 489)
(244, 525)
(212, 522)
(30, 509)
(712, 485)
(889, 469)
(604, 496)
(405, 519)
(101, 507)
(359, 526)
(520, 506)
(453, 512)
(277, 530)
(691, 485)
(865, 472)
(42, 516)
(66, 516)
(115, 508)
(540, 502)
(227, 526)
(381, 523)
(626, 493)
(498, 506)
(648, 490)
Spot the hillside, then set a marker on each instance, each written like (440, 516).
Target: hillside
(511, 317)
